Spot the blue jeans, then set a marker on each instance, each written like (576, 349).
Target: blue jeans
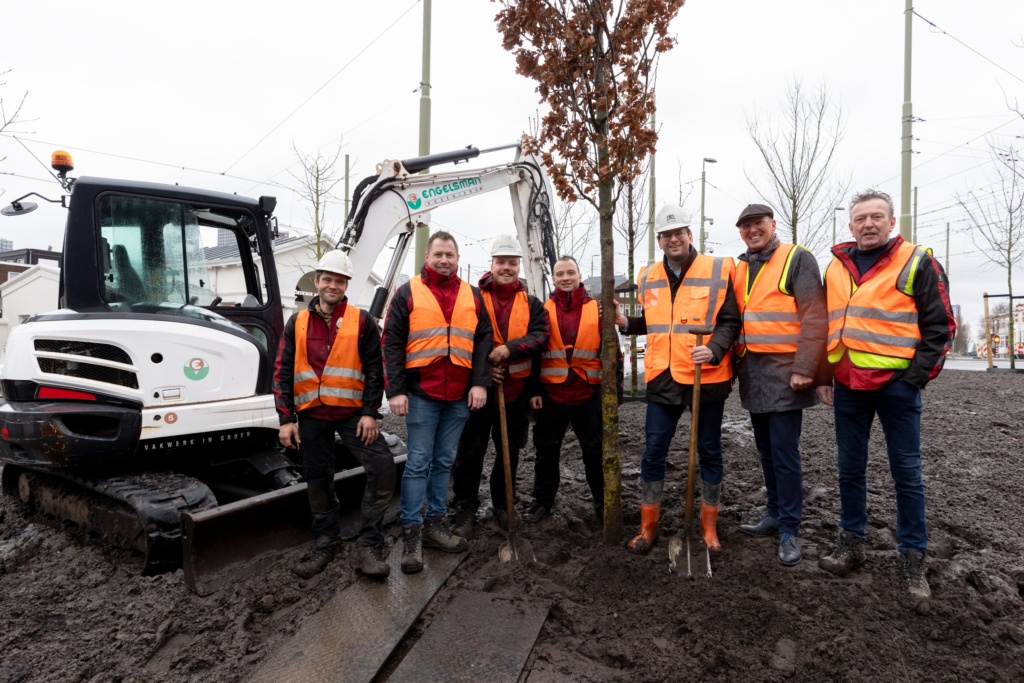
(434, 429)
(898, 406)
(661, 427)
(777, 436)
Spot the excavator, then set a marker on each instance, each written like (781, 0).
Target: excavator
(141, 411)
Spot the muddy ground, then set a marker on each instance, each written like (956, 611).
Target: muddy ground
(70, 612)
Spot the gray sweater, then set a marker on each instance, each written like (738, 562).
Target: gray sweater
(764, 377)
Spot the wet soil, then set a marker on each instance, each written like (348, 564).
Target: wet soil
(70, 611)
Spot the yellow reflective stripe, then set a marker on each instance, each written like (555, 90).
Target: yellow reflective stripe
(785, 268)
(875, 361)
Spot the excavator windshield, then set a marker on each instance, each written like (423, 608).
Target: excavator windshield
(156, 252)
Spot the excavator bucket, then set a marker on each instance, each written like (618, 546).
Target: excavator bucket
(229, 541)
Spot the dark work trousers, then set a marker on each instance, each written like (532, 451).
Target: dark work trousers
(485, 424)
(548, 434)
(317, 438)
(777, 436)
(662, 422)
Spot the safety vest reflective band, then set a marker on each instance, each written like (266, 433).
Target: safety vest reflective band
(586, 354)
(518, 325)
(431, 336)
(342, 383)
(768, 308)
(698, 300)
(876, 323)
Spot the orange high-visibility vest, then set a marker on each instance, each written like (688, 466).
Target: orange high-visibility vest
(518, 324)
(586, 354)
(431, 336)
(699, 298)
(876, 323)
(767, 308)
(342, 383)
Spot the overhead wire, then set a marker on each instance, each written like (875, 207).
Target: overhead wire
(325, 84)
(947, 33)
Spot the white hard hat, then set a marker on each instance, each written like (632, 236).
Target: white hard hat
(670, 218)
(506, 245)
(335, 261)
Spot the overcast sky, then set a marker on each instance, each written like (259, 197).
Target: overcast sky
(186, 93)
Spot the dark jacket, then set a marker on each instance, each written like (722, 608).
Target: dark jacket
(319, 337)
(934, 319)
(663, 389)
(442, 380)
(531, 344)
(764, 377)
(574, 390)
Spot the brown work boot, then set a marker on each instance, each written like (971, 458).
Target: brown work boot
(462, 522)
(315, 561)
(644, 541)
(847, 555)
(373, 561)
(438, 535)
(912, 570)
(708, 526)
(412, 552)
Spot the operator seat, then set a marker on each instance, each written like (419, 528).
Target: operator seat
(130, 285)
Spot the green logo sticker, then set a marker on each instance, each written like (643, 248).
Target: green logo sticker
(414, 201)
(197, 369)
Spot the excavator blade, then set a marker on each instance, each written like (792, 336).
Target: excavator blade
(229, 541)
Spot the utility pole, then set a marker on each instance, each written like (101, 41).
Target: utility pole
(915, 216)
(421, 231)
(908, 123)
(947, 248)
(703, 165)
(347, 200)
(650, 210)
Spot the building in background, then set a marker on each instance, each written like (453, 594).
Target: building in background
(6, 245)
(32, 257)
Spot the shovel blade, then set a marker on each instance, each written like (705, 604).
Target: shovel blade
(520, 551)
(676, 546)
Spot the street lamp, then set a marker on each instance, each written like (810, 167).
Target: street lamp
(707, 160)
(838, 209)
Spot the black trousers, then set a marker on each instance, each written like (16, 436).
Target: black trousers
(317, 448)
(548, 433)
(485, 424)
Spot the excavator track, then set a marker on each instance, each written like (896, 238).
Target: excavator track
(139, 512)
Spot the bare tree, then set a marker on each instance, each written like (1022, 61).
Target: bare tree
(594, 62)
(685, 189)
(574, 224)
(631, 224)
(10, 116)
(798, 152)
(962, 340)
(318, 178)
(998, 218)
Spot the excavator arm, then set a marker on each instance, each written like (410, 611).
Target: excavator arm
(398, 199)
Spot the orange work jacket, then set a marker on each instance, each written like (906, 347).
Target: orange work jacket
(342, 383)
(518, 325)
(767, 308)
(876, 322)
(698, 300)
(431, 336)
(586, 355)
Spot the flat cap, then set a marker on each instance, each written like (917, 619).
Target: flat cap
(753, 210)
